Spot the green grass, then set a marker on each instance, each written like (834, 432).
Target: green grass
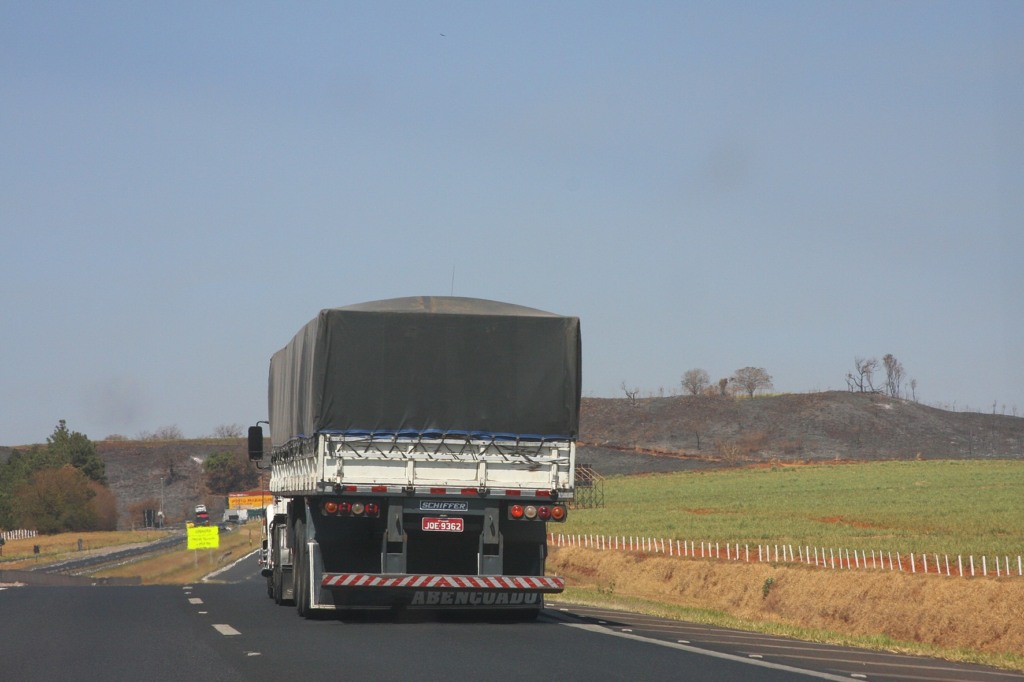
(944, 507)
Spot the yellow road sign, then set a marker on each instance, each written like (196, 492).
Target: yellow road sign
(252, 500)
(203, 537)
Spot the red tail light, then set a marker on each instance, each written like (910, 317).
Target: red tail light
(558, 513)
(516, 511)
(543, 513)
(345, 508)
(372, 509)
(330, 507)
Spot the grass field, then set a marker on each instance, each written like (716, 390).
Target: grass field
(944, 507)
(176, 566)
(183, 566)
(19, 554)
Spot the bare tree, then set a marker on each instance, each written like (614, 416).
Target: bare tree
(695, 381)
(630, 393)
(893, 375)
(752, 379)
(228, 431)
(163, 433)
(862, 381)
(913, 390)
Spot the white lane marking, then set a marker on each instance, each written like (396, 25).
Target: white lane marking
(195, 600)
(203, 613)
(225, 629)
(229, 566)
(705, 652)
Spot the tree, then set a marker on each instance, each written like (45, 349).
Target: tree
(695, 381)
(74, 448)
(752, 379)
(228, 431)
(227, 472)
(861, 380)
(893, 375)
(57, 501)
(631, 394)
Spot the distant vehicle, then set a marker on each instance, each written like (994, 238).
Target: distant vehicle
(201, 509)
(420, 447)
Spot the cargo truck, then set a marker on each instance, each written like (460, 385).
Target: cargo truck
(418, 449)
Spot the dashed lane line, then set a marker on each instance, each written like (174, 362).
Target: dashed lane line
(226, 630)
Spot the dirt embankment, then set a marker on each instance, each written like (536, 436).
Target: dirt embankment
(950, 613)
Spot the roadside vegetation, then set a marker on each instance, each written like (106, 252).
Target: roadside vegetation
(59, 487)
(177, 566)
(943, 507)
(181, 565)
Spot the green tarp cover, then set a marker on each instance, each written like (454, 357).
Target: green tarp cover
(429, 365)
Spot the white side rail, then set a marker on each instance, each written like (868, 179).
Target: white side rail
(444, 465)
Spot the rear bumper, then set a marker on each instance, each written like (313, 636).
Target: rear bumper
(498, 583)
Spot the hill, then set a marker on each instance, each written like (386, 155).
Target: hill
(683, 432)
(151, 473)
(648, 435)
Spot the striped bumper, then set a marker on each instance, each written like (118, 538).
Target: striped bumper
(444, 582)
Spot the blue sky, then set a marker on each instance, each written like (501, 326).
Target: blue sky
(714, 185)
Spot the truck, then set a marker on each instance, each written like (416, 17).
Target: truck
(419, 448)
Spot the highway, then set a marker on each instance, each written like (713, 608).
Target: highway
(231, 631)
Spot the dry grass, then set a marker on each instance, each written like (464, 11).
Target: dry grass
(19, 554)
(182, 566)
(975, 620)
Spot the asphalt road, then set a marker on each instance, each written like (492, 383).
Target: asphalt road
(231, 631)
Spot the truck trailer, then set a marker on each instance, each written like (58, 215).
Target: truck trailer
(418, 449)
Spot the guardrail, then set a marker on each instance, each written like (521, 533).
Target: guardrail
(809, 555)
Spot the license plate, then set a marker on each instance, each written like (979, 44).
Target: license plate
(451, 525)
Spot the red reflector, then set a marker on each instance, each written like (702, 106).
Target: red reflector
(558, 513)
(379, 489)
(438, 491)
(349, 488)
(469, 491)
(516, 511)
(543, 513)
(513, 493)
(543, 493)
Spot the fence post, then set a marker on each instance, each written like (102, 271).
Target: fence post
(924, 558)
(984, 565)
(972, 565)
